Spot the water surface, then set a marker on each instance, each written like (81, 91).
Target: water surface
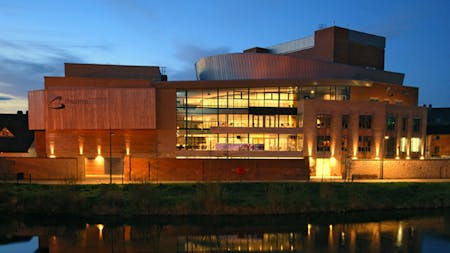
(356, 232)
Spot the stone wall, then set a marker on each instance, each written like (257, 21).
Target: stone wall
(401, 169)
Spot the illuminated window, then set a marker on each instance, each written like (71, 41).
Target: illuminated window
(415, 144)
(403, 142)
(323, 143)
(323, 121)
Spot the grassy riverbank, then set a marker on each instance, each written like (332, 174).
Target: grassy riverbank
(219, 198)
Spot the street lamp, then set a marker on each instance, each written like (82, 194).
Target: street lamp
(110, 156)
(382, 155)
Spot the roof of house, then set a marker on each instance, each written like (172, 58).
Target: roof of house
(438, 121)
(14, 133)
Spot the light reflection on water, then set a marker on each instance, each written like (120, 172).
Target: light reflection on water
(351, 233)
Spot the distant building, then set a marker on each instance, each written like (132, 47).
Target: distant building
(286, 112)
(438, 132)
(15, 138)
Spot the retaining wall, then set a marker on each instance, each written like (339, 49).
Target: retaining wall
(401, 169)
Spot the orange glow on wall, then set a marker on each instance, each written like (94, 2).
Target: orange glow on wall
(52, 150)
(99, 159)
(99, 149)
(100, 231)
(309, 149)
(127, 148)
(333, 162)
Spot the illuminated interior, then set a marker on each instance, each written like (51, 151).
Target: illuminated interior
(205, 117)
(323, 167)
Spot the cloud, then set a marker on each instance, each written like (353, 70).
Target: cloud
(5, 97)
(12, 104)
(25, 63)
(188, 55)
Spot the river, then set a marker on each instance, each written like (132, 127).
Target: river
(406, 231)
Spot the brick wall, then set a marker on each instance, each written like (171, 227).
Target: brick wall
(170, 169)
(402, 169)
(42, 168)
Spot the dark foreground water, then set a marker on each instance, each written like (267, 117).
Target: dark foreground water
(427, 231)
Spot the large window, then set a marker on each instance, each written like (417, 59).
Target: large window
(415, 145)
(201, 112)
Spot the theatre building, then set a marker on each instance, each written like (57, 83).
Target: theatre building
(301, 109)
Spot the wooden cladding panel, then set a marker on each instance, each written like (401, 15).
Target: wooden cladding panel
(69, 143)
(133, 108)
(36, 110)
(82, 82)
(93, 108)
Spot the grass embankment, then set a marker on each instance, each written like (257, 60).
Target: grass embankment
(219, 198)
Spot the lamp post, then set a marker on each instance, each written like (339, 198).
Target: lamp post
(110, 156)
(382, 155)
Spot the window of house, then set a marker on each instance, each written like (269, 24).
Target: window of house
(323, 143)
(345, 121)
(404, 125)
(415, 144)
(390, 123)
(437, 150)
(323, 121)
(417, 125)
(365, 121)
(403, 143)
(364, 143)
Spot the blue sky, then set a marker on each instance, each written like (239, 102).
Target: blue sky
(38, 37)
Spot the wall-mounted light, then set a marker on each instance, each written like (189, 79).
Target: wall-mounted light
(52, 150)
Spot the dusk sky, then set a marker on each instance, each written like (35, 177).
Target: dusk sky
(38, 37)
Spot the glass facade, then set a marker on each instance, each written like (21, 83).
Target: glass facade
(246, 118)
(238, 119)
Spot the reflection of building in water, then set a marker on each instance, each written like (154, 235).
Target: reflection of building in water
(384, 236)
(361, 237)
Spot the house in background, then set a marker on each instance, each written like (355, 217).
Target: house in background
(15, 137)
(438, 132)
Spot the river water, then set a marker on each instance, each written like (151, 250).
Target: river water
(425, 231)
